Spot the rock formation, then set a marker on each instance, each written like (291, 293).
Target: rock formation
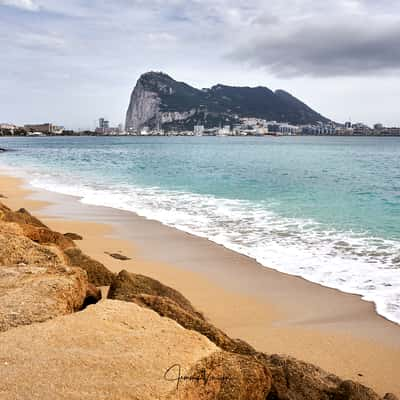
(127, 285)
(32, 294)
(73, 236)
(21, 216)
(97, 273)
(112, 350)
(18, 250)
(158, 101)
(284, 377)
(224, 376)
(47, 236)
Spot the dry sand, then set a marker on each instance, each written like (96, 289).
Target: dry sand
(275, 312)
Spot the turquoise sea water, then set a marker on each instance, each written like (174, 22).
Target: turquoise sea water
(325, 208)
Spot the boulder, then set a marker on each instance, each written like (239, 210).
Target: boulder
(33, 228)
(98, 274)
(73, 236)
(16, 249)
(296, 380)
(3, 209)
(349, 390)
(47, 236)
(127, 285)
(22, 217)
(110, 350)
(118, 256)
(166, 307)
(37, 293)
(390, 396)
(221, 376)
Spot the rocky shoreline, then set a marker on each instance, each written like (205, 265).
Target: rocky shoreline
(60, 338)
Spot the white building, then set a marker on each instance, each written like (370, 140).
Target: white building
(198, 130)
(145, 131)
(282, 128)
(225, 131)
(252, 121)
(8, 128)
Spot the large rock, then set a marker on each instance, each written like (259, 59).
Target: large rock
(127, 285)
(98, 274)
(21, 216)
(166, 307)
(32, 294)
(296, 380)
(33, 228)
(111, 350)
(15, 249)
(349, 390)
(390, 396)
(3, 210)
(73, 236)
(47, 236)
(222, 376)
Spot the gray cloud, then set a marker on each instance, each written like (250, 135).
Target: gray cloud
(343, 47)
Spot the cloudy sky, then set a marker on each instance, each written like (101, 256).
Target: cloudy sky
(73, 61)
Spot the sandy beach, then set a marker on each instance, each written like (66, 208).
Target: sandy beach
(274, 312)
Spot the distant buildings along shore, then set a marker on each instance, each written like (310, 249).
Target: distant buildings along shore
(245, 127)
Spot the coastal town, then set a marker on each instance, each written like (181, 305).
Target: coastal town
(245, 127)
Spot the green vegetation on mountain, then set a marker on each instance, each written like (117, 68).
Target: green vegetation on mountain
(220, 104)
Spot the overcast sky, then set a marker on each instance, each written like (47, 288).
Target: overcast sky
(70, 62)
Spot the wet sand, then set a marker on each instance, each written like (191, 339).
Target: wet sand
(275, 312)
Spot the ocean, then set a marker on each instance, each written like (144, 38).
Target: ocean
(323, 208)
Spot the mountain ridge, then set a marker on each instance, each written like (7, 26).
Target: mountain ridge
(159, 101)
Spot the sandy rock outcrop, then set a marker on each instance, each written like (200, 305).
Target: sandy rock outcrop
(126, 286)
(349, 390)
(22, 217)
(73, 236)
(223, 376)
(112, 350)
(46, 236)
(390, 396)
(35, 283)
(32, 294)
(33, 228)
(293, 379)
(97, 273)
(3, 210)
(296, 380)
(16, 249)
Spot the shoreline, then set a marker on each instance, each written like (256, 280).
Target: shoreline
(333, 326)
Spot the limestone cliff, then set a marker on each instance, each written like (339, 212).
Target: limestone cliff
(146, 106)
(158, 101)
